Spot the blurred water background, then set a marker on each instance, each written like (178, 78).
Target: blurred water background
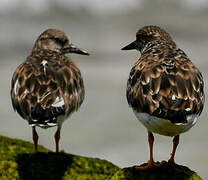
(105, 127)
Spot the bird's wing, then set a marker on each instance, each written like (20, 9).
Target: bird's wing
(44, 90)
(166, 87)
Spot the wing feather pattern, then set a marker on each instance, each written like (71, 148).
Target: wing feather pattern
(167, 86)
(42, 92)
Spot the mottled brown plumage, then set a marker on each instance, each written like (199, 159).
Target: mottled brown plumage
(164, 88)
(167, 83)
(48, 86)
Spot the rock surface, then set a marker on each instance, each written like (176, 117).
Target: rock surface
(167, 171)
(18, 161)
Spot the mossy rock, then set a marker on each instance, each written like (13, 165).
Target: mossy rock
(168, 171)
(18, 161)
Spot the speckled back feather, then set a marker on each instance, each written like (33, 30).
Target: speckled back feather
(38, 89)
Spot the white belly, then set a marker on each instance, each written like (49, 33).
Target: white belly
(163, 126)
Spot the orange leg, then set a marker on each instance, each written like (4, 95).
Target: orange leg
(57, 138)
(35, 138)
(151, 142)
(151, 163)
(175, 144)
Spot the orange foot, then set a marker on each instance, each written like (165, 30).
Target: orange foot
(150, 166)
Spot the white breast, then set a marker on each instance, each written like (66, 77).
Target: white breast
(165, 127)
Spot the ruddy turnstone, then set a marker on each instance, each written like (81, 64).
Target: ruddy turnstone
(164, 89)
(48, 86)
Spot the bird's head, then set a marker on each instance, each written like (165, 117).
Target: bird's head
(56, 41)
(149, 34)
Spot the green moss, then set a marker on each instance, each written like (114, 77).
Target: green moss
(18, 161)
(167, 171)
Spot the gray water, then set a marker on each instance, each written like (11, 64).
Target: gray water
(105, 127)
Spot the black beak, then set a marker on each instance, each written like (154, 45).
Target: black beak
(73, 49)
(131, 46)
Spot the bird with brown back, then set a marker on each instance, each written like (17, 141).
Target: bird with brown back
(164, 89)
(48, 87)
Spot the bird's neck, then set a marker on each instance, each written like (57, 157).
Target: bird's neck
(45, 52)
(47, 55)
(158, 44)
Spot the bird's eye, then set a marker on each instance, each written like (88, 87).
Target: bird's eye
(64, 41)
(58, 40)
(144, 36)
